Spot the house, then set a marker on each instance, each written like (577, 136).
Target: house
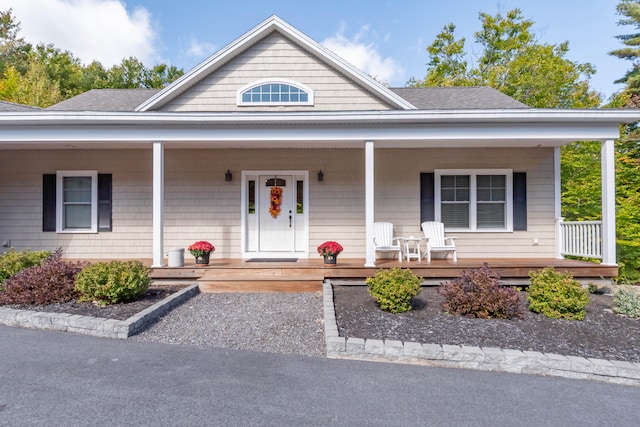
(132, 173)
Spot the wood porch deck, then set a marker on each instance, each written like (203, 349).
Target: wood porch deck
(307, 275)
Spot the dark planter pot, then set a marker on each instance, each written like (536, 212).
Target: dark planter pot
(330, 260)
(203, 260)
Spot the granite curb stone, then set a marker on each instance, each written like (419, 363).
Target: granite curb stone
(469, 357)
(96, 326)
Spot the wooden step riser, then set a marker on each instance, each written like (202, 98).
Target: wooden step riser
(259, 286)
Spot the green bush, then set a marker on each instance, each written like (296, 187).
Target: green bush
(47, 283)
(557, 295)
(626, 302)
(393, 289)
(478, 293)
(113, 282)
(13, 261)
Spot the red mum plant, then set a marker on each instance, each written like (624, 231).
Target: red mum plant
(330, 248)
(201, 248)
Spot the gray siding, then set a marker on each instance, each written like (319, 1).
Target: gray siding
(200, 205)
(277, 58)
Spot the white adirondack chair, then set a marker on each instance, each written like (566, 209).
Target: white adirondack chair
(383, 239)
(437, 243)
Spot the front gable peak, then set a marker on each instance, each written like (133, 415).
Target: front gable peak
(273, 26)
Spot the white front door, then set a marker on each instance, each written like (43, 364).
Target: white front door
(276, 215)
(277, 226)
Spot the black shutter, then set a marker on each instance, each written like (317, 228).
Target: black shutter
(104, 202)
(519, 201)
(49, 202)
(427, 197)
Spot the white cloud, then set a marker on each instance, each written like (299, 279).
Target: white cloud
(364, 56)
(199, 49)
(102, 30)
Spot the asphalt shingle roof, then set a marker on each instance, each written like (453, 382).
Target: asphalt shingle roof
(427, 98)
(105, 100)
(13, 107)
(459, 97)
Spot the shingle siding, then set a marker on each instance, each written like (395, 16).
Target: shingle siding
(276, 58)
(201, 205)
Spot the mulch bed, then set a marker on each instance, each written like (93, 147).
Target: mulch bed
(114, 311)
(603, 334)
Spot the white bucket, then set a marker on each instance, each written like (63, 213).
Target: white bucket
(176, 257)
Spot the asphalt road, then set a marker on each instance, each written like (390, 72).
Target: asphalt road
(61, 379)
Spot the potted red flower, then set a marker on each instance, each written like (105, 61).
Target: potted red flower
(201, 251)
(330, 251)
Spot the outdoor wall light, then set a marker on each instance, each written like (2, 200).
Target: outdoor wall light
(228, 176)
(320, 176)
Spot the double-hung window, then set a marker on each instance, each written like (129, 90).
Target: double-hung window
(474, 200)
(77, 201)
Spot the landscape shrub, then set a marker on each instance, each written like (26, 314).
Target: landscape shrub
(113, 282)
(14, 260)
(627, 302)
(394, 288)
(478, 293)
(47, 283)
(557, 295)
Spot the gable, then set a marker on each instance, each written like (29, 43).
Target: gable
(277, 58)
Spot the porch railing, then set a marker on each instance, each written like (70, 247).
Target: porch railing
(580, 238)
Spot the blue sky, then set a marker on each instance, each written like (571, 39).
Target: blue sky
(386, 39)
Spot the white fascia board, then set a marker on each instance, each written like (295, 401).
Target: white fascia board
(251, 37)
(504, 116)
(472, 134)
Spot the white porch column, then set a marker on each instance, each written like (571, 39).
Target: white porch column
(607, 157)
(158, 204)
(557, 199)
(370, 258)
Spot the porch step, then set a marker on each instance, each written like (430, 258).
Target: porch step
(260, 280)
(219, 286)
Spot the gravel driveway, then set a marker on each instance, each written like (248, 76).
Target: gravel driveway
(290, 323)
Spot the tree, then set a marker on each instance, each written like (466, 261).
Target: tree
(13, 49)
(34, 88)
(447, 64)
(46, 75)
(512, 61)
(630, 10)
(61, 67)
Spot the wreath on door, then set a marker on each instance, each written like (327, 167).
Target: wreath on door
(276, 199)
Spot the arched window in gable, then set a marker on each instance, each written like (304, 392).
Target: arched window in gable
(275, 92)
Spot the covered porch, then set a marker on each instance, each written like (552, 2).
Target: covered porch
(307, 275)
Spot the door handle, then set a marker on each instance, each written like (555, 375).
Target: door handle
(289, 219)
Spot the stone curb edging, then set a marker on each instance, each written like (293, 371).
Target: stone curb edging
(96, 326)
(480, 358)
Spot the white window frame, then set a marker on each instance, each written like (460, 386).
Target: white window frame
(60, 175)
(242, 90)
(473, 202)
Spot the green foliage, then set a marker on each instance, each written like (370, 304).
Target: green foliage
(581, 196)
(557, 295)
(511, 60)
(630, 12)
(627, 302)
(12, 261)
(113, 282)
(477, 293)
(393, 289)
(44, 75)
(47, 283)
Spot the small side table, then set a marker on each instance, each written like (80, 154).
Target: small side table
(411, 247)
